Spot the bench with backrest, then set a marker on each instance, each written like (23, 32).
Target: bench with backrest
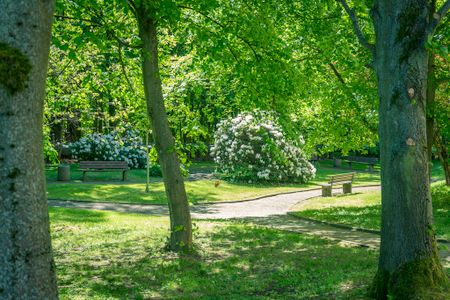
(345, 180)
(370, 161)
(104, 166)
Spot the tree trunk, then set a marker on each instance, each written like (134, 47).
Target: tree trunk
(180, 218)
(442, 154)
(26, 264)
(409, 263)
(431, 96)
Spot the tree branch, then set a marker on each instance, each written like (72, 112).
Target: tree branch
(361, 38)
(61, 17)
(124, 71)
(243, 39)
(438, 16)
(442, 80)
(336, 72)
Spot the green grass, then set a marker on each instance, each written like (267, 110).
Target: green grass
(107, 187)
(198, 191)
(134, 176)
(363, 210)
(106, 255)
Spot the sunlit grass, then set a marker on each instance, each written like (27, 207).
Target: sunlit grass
(198, 191)
(105, 255)
(104, 188)
(363, 210)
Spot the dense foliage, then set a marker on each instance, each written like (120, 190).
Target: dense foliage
(112, 146)
(253, 147)
(218, 58)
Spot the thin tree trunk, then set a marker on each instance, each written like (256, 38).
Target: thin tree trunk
(409, 263)
(180, 218)
(442, 154)
(26, 264)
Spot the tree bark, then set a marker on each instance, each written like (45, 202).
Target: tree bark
(431, 96)
(26, 265)
(409, 263)
(180, 218)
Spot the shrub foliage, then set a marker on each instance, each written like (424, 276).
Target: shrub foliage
(252, 147)
(112, 146)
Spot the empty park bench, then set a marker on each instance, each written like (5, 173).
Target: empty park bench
(104, 166)
(341, 179)
(370, 161)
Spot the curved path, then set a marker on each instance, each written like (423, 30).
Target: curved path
(262, 207)
(270, 211)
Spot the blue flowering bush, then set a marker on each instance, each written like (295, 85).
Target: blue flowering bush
(112, 146)
(252, 147)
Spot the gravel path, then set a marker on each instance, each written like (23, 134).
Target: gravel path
(264, 207)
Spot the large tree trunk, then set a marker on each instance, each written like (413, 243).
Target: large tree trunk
(409, 262)
(431, 96)
(180, 218)
(26, 265)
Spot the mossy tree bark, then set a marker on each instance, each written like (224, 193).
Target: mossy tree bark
(431, 93)
(430, 96)
(180, 218)
(409, 264)
(26, 264)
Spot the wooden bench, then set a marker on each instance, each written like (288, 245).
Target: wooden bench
(371, 161)
(341, 179)
(104, 166)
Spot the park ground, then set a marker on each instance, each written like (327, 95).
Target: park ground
(108, 187)
(112, 255)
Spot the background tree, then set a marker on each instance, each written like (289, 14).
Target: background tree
(26, 263)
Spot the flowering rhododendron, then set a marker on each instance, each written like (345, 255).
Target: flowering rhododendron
(128, 147)
(252, 147)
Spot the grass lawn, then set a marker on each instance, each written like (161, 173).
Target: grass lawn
(106, 255)
(198, 191)
(107, 187)
(134, 176)
(363, 210)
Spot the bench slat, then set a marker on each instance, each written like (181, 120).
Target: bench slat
(341, 178)
(104, 164)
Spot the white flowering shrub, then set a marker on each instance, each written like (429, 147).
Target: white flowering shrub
(128, 147)
(251, 147)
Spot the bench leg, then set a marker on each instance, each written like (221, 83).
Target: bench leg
(347, 187)
(124, 175)
(350, 165)
(326, 191)
(84, 175)
(371, 168)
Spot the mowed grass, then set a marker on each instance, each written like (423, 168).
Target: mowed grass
(134, 175)
(364, 210)
(198, 191)
(106, 255)
(108, 187)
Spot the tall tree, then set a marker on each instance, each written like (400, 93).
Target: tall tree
(409, 264)
(180, 218)
(26, 264)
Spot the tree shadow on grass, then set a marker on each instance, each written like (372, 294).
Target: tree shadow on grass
(233, 261)
(364, 217)
(74, 216)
